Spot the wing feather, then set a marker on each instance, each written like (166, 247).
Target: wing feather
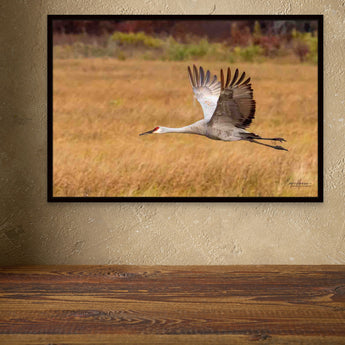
(236, 106)
(235, 77)
(228, 77)
(191, 79)
(222, 80)
(241, 78)
(206, 91)
(202, 75)
(247, 81)
(196, 76)
(214, 81)
(207, 79)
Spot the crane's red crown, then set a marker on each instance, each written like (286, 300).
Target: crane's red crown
(156, 128)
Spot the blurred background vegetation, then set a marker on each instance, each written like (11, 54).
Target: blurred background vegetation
(169, 40)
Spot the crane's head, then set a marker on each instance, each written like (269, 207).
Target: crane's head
(155, 130)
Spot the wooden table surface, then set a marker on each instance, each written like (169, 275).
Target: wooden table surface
(172, 305)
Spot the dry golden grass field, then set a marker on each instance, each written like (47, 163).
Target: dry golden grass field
(101, 105)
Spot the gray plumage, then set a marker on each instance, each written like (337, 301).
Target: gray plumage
(228, 107)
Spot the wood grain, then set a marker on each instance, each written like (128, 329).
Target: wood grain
(172, 304)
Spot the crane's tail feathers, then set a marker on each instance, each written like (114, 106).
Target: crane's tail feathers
(277, 147)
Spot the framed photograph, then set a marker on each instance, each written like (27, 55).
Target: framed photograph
(185, 108)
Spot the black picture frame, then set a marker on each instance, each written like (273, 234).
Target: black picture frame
(52, 18)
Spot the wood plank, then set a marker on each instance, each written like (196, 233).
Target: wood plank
(195, 339)
(167, 304)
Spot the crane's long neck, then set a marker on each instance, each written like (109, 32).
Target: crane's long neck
(195, 128)
(185, 129)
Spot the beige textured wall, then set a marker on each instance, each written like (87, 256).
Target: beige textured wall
(35, 232)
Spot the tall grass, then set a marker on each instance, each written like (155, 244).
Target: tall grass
(101, 105)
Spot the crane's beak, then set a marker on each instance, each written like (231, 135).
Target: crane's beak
(148, 132)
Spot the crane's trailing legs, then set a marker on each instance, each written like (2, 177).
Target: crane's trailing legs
(277, 139)
(277, 147)
(251, 138)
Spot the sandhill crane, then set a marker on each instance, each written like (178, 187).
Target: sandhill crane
(228, 108)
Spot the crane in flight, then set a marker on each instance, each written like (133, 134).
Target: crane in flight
(228, 107)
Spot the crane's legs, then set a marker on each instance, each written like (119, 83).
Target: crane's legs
(277, 139)
(277, 147)
(250, 136)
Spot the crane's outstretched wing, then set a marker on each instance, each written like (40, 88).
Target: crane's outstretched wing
(206, 90)
(236, 106)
